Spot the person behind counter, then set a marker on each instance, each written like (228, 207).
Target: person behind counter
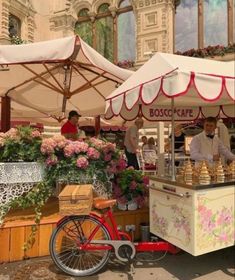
(207, 146)
(70, 129)
(131, 143)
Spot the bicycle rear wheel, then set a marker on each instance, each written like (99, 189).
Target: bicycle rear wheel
(65, 247)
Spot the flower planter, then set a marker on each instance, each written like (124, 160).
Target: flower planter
(17, 178)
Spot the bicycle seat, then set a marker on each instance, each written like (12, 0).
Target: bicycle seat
(102, 203)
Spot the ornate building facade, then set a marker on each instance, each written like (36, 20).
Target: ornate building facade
(122, 30)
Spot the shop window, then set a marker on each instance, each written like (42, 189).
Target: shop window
(104, 32)
(113, 37)
(83, 26)
(14, 26)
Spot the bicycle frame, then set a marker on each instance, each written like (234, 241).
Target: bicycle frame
(117, 235)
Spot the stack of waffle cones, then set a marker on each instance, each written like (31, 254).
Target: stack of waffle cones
(219, 171)
(204, 177)
(188, 173)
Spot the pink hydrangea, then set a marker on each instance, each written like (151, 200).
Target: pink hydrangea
(99, 144)
(93, 153)
(82, 162)
(109, 147)
(69, 150)
(60, 141)
(51, 160)
(12, 134)
(35, 134)
(48, 146)
(121, 164)
(2, 135)
(111, 169)
(80, 147)
(107, 157)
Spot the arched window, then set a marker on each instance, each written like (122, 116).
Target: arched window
(186, 23)
(215, 22)
(104, 32)
(126, 38)
(14, 26)
(83, 26)
(112, 35)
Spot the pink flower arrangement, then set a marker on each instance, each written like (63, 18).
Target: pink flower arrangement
(130, 184)
(93, 153)
(36, 134)
(48, 146)
(51, 160)
(82, 162)
(69, 150)
(20, 144)
(78, 159)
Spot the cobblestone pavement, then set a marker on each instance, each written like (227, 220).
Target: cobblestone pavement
(219, 265)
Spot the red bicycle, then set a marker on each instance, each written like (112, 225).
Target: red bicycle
(81, 245)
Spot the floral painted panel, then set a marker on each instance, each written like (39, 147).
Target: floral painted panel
(172, 221)
(215, 226)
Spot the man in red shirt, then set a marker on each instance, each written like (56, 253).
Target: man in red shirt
(70, 129)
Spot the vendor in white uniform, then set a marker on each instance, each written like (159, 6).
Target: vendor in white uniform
(207, 146)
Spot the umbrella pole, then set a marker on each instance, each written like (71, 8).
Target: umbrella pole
(173, 173)
(5, 113)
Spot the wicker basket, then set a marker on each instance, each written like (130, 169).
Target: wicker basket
(76, 200)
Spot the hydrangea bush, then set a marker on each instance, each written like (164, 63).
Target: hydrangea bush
(130, 185)
(78, 161)
(20, 144)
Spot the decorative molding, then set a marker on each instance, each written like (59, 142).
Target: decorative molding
(64, 20)
(150, 20)
(150, 45)
(4, 33)
(24, 11)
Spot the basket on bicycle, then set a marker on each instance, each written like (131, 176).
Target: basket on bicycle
(76, 200)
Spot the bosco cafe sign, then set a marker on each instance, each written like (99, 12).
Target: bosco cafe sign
(154, 113)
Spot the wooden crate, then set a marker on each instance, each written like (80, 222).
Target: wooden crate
(76, 200)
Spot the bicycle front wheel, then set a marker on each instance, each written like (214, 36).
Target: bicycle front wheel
(66, 241)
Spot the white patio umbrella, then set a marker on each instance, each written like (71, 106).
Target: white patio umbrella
(57, 76)
(173, 82)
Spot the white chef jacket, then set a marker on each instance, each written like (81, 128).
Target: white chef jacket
(203, 148)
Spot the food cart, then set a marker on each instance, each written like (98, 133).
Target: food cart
(198, 218)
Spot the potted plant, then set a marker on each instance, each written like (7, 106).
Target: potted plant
(130, 188)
